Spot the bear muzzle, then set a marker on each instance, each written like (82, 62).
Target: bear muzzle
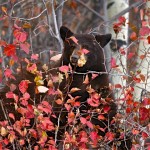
(74, 59)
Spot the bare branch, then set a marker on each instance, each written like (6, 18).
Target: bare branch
(97, 14)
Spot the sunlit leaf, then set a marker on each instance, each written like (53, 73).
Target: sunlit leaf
(42, 89)
(56, 57)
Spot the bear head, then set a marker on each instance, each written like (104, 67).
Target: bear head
(84, 51)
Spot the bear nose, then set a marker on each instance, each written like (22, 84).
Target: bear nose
(74, 59)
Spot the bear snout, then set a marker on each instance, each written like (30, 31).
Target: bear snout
(74, 59)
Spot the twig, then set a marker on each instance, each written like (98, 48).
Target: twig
(97, 14)
(57, 36)
(29, 19)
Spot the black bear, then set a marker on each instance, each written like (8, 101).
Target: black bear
(88, 79)
(83, 109)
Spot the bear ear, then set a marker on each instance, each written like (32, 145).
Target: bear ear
(103, 39)
(65, 32)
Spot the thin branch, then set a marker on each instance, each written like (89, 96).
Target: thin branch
(29, 19)
(57, 36)
(94, 12)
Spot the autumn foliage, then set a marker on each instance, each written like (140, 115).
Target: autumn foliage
(33, 106)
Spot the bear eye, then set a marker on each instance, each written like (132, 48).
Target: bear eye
(85, 46)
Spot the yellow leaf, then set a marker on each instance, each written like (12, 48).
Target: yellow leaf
(4, 9)
(3, 131)
(82, 61)
(11, 62)
(38, 80)
(26, 25)
(11, 138)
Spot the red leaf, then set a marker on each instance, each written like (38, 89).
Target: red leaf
(130, 55)
(94, 137)
(144, 31)
(23, 86)
(10, 50)
(59, 101)
(8, 74)
(89, 124)
(26, 96)
(148, 38)
(144, 113)
(117, 27)
(144, 135)
(110, 136)
(83, 120)
(93, 102)
(135, 132)
(20, 36)
(133, 36)
(35, 56)
(101, 117)
(128, 110)
(9, 95)
(11, 115)
(85, 51)
(122, 20)
(74, 39)
(25, 47)
(3, 43)
(122, 51)
(33, 133)
(118, 86)
(106, 108)
(30, 112)
(64, 69)
(142, 56)
(32, 68)
(113, 63)
(94, 75)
